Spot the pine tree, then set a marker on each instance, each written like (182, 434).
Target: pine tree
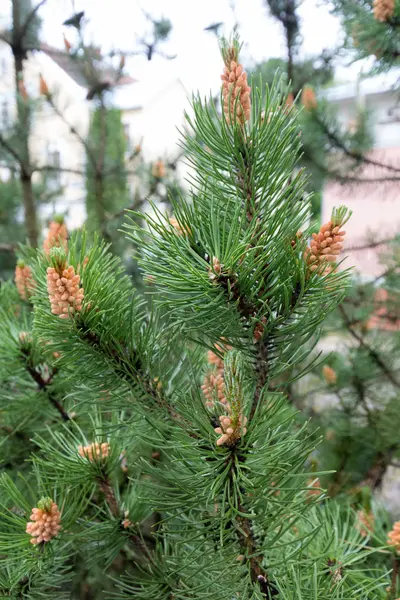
(134, 471)
(106, 183)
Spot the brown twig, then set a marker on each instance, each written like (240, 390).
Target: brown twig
(372, 353)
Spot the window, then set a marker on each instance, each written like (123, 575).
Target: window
(4, 114)
(126, 127)
(54, 161)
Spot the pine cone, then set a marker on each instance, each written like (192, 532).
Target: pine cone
(394, 536)
(180, 229)
(43, 87)
(213, 388)
(308, 98)
(326, 245)
(313, 488)
(24, 280)
(329, 374)
(158, 169)
(365, 522)
(383, 10)
(235, 91)
(95, 451)
(56, 237)
(45, 521)
(230, 431)
(65, 295)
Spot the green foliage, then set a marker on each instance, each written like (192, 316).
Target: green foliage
(165, 509)
(366, 36)
(106, 179)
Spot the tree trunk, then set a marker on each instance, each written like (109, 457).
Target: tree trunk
(30, 215)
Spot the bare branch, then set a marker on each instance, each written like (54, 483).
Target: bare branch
(29, 20)
(8, 147)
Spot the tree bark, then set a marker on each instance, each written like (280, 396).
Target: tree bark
(17, 47)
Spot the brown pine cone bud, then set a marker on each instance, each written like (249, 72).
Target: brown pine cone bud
(65, 295)
(95, 451)
(329, 374)
(394, 536)
(57, 236)
(308, 98)
(180, 229)
(313, 488)
(215, 269)
(235, 89)
(45, 521)
(365, 522)
(43, 87)
(158, 169)
(383, 10)
(24, 280)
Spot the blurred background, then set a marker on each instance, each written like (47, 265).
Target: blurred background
(92, 98)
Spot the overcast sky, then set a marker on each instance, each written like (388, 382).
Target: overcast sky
(118, 23)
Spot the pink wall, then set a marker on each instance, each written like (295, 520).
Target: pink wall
(375, 206)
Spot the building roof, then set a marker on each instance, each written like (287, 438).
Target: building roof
(75, 68)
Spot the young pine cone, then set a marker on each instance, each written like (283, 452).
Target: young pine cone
(313, 488)
(214, 359)
(235, 89)
(229, 431)
(24, 280)
(394, 536)
(94, 451)
(213, 388)
(57, 236)
(365, 522)
(329, 375)
(45, 521)
(383, 10)
(180, 229)
(308, 98)
(326, 245)
(65, 295)
(158, 169)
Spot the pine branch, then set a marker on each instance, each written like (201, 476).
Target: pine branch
(371, 244)
(350, 153)
(372, 353)
(28, 21)
(43, 384)
(248, 544)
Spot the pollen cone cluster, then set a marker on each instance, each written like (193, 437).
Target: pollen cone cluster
(45, 522)
(56, 237)
(213, 387)
(365, 522)
(180, 229)
(329, 374)
(94, 451)
(308, 98)
(24, 280)
(231, 429)
(158, 169)
(235, 89)
(324, 248)
(65, 295)
(394, 536)
(313, 488)
(383, 10)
